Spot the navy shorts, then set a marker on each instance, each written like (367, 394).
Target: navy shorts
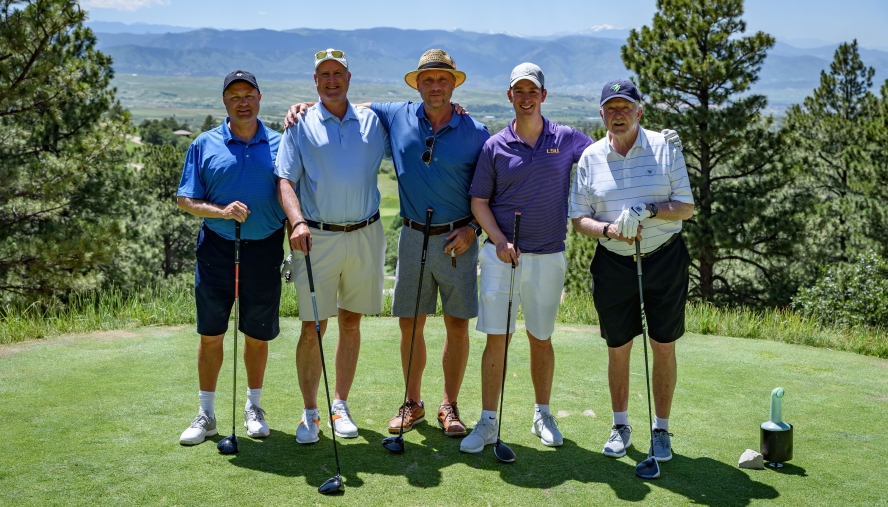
(260, 284)
(615, 293)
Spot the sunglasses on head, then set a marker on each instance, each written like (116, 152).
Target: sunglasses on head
(334, 53)
(427, 155)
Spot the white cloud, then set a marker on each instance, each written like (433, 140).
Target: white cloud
(122, 5)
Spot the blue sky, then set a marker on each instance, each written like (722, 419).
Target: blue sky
(788, 20)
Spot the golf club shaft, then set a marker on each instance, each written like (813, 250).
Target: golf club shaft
(237, 246)
(314, 304)
(425, 249)
(644, 337)
(508, 325)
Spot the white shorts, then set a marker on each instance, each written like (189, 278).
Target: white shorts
(348, 272)
(539, 281)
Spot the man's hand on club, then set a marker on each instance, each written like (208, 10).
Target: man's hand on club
(629, 220)
(296, 111)
(672, 138)
(613, 232)
(235, 211)
(460, 240)
(300, 238)
(507, 252)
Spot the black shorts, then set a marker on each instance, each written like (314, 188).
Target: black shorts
(259, 288)
(615, 292)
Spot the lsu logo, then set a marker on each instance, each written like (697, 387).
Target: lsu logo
(552, 150)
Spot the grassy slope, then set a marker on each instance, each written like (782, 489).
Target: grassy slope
(95, 418)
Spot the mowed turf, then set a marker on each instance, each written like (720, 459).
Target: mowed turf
(95, 420)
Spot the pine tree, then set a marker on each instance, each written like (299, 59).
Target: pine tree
(696, 66)
(62, 187)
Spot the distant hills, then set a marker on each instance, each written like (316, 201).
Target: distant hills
(576, 63)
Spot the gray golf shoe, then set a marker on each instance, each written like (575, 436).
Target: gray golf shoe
(254, 421)
(203, 426)
(620, 439)
(484, 433)
(546, 427)
(662, 445)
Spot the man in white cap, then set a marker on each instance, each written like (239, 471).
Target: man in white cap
(328, 166)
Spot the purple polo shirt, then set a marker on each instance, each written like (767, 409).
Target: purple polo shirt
(533, 180)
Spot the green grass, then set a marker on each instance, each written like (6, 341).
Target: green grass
(94, 419)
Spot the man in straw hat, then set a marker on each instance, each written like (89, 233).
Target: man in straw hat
(434, 150)
(327, 168)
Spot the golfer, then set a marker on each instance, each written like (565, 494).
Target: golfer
(229, 175)
(434, 149)
(331, 158)
(633, 186)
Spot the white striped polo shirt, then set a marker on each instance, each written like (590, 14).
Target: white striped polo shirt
(606, 183)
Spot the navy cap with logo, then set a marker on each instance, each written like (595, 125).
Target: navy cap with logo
(239, 75)
(621, 88)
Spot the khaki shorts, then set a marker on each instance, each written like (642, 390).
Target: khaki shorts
(348, 272)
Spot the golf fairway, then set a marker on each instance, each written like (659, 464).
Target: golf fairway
(95, 419)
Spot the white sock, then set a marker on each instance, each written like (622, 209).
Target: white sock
(340, 402)
(661, 423)
(542, 409)
(253, 397)
(621, 418)
(488, 414)
(311, 414)
(207, 402)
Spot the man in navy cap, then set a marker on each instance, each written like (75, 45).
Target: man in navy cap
(633, 186)
(229, 176)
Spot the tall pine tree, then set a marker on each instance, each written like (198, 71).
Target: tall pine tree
(696, 66)
(61, 210)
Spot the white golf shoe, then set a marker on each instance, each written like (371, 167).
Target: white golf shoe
(620, 439)
(203, 426)
(482, 434)
(546, 427)
(308, 430)
(254, 421)
(343, 424)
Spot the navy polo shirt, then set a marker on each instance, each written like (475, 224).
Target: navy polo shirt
(443, 184)
(221, 169)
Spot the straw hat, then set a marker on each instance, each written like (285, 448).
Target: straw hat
(435, 59)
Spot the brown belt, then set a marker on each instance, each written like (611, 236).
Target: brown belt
(342, 228)
(440, 229)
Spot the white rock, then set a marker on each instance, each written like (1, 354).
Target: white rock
(751, 459)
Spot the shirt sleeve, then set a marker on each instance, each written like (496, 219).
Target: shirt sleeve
(192, 185)
(386, 143)
(385, 111)
(288, 164)
(485, 174)
(678, 179)
(579, 205)
(580, 142)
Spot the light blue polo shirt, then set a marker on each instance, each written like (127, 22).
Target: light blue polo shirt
(442, 185)
(334, 163)
(220, 168)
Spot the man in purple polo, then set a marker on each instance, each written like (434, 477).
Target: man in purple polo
(524, 168)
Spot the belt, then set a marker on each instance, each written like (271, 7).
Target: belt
(659, 248)
(342, 228)
(441, 229)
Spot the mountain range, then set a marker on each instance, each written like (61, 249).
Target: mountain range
(574, 63)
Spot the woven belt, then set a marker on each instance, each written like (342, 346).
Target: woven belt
(659, 248)
(343, 228)
(440, 229)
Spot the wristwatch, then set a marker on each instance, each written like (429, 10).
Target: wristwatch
(654, 210)
(477, 228)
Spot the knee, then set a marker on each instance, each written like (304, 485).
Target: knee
(211, 343)
(663, 350)
(349, 321)
(255, 345)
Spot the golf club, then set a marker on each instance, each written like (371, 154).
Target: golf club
(228, 445)
(333, 484)
(502, 451)
(649, 468)
(396, 444)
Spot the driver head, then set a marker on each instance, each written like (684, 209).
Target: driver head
(228, 445)
(394, 444)
(331, 486)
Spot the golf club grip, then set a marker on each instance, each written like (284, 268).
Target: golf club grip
(311, 283)
(515, 235)
(237, 246)
(425, 233)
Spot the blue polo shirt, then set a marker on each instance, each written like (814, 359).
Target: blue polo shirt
(533, 180)
(221, 169)
(443, 184)
(334, 163)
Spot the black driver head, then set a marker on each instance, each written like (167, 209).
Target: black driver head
(394, 444)
(228, 445)
(648, 469)
(503, 452)
(331, 486)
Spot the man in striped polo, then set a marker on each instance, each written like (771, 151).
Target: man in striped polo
(633, 186)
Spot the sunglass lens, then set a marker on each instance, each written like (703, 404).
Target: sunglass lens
(430, 141)
(337, 54)
(320, 54)
(427, 156)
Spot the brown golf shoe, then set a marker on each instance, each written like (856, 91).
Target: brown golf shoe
(448, 419)
(412, 413)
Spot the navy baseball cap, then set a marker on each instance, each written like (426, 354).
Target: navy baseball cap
(621, 88)
(240, 75)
